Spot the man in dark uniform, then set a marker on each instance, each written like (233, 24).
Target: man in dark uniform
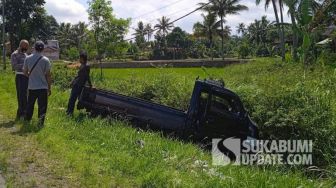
(21, 81)
(79, 82)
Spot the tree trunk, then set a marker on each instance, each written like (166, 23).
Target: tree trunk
(295, 35)
(277, 19)
(283, 50)
(210, 40)
(222, 35)
(11, 40)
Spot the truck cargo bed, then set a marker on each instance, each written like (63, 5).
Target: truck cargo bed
(158, 115)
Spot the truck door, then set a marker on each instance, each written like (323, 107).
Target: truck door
(222, 116)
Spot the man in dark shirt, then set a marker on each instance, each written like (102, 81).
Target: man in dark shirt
(21, 81)
(79, 82)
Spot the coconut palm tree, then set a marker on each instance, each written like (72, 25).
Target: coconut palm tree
(222, 8)
(79, 31)
(241, 28)
(292, 4)
(64, 31)
(226, 32)
(164, 26)
(65, 37)
(140, 35)
(208, 28)
(283, 50)
(325, 12)
(140, 30)
(254, 32)
(258, 31)
(278, 24)
(149, 31)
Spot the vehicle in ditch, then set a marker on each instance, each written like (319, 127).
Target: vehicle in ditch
(214, 112)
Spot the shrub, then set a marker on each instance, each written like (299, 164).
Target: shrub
(288, 57)
(243, 50)
(62, 76)
(198, 50)
(72, 53)
(294, 113)
(327, 58)
(262, 51)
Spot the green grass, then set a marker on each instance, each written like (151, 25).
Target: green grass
(104, 153)
(286, 100)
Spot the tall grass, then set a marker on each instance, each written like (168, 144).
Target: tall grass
(284, 100)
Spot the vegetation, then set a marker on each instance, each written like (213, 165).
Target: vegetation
(292, 97)
(108, 31)
(30, 22)
(107, 152)
(299, 106)
(222, 8)
(103, 37)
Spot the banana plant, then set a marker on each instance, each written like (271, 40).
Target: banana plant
(305, 15)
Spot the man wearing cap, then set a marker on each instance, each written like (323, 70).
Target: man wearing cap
(37, 68)
(21, 81)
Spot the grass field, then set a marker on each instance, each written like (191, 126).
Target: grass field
(285, 100)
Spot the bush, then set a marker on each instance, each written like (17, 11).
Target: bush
(72, 53)
(294, 113)
(62, 76)
(262, 51)
(244, 50)
(288, 57)
(198, 50)
(327, 58)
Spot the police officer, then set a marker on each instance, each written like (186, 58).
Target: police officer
(21, 81)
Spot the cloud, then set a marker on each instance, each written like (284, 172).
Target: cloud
(67, 10)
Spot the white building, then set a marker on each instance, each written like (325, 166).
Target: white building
(52, 50)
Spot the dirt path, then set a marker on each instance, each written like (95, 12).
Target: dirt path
(24, 164)
(2, 181)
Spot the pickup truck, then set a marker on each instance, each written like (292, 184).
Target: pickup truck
(214, 112)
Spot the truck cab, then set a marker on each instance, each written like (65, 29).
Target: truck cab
(216, 112)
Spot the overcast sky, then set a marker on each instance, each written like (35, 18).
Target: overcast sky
(150, 10)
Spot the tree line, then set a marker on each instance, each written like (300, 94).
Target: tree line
(311, 21)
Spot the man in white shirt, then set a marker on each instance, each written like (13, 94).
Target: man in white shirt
(38, 68)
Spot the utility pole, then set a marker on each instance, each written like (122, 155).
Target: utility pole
(3, 34)
(98, 45)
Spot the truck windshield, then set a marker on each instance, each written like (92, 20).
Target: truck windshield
(223, 105)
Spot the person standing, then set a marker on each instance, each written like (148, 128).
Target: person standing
(21, 81)
(79, 82)
(38, 69)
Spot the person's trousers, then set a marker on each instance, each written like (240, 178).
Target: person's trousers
(21, 83)
(41, 95)
(75, 93)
